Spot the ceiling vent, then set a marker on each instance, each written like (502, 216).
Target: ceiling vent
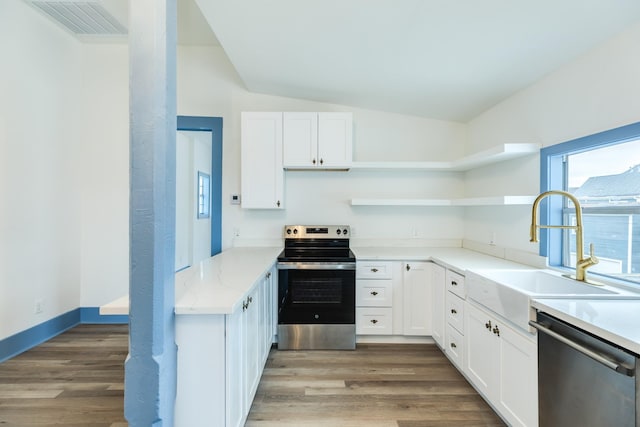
(88, 17)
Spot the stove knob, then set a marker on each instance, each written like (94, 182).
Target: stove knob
(338, 231)
(295, 231)
(288, 231)
(344, 231)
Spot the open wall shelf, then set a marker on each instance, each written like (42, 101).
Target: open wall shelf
(472, 201)
(495, 154)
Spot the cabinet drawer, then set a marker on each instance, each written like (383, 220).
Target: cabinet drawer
(374, 321)
(455, 283)
(374, 293)
(373, 270)
(454, 306)
(455, 347)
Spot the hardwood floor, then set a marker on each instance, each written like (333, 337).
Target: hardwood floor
(75, 379)
(374, 386)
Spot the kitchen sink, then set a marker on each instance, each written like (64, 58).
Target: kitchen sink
(509, 292)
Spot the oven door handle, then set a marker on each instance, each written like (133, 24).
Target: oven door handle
(598, 357)
(316, 266)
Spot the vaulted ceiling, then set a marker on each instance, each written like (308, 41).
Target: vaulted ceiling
(445, 59)
(442, 59)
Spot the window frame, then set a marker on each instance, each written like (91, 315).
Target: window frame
(553, 177)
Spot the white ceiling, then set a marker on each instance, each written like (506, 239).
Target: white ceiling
(442, 59)
(445, 59)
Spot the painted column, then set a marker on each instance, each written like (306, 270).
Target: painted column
(150, 369)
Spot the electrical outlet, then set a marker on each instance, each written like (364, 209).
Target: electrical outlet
(39, 306)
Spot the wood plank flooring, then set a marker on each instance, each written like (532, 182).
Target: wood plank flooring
(75, 379)
(374, 386)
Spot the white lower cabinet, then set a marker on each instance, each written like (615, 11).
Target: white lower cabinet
(374, 298)
(394, 298)
(418, 298)
(374, 320)
(230, 352)
(501, 362)
(438, 295)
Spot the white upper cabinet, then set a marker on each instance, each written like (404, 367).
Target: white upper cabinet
(262, 175)
(317, 140)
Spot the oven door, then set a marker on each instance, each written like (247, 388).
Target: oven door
(316, 293)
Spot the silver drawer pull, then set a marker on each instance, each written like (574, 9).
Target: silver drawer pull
(374, 321)
(374, 293)
(375, 270)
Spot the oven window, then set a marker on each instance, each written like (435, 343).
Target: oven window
(316, 291)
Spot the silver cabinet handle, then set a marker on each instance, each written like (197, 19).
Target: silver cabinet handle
(453, 311)
(374, 293)
(598, 357)
(374, 321)
(454, 283)
(374, 270)
(408, 267)
(453, 345)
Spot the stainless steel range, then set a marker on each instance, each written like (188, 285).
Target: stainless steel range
(316, 289)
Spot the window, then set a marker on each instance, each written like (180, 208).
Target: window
(603, 172)
(204, 185)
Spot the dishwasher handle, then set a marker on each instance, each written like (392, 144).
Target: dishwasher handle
(598, 357)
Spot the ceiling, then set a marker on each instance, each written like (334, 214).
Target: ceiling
(444, 59)
(441, 59)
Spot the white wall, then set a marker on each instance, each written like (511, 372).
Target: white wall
(595, 92)
(104, 147)
(40, 163)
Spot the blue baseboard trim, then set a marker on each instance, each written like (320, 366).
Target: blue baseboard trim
(92, 315)
(23, 341)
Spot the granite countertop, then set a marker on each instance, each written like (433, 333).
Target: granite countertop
(216, 285)
(613, 320)
(458, 259)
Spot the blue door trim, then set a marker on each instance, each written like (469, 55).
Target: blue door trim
(213, 125)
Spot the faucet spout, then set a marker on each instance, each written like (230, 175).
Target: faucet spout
(582, 263)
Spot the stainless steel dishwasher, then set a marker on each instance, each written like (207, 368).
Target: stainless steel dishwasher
(583, 380)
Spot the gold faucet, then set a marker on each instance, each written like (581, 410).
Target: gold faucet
(582, 263)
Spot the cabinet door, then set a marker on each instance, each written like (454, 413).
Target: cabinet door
(418, 295)
(235, 360)
(518, 377)
(335, 139)
(482, 358)
(262, 174)
(437, 309)
(300, 140)
(252, 347)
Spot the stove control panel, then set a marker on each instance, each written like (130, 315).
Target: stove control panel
(316, 231)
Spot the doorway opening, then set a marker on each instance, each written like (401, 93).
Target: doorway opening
(198, 155)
